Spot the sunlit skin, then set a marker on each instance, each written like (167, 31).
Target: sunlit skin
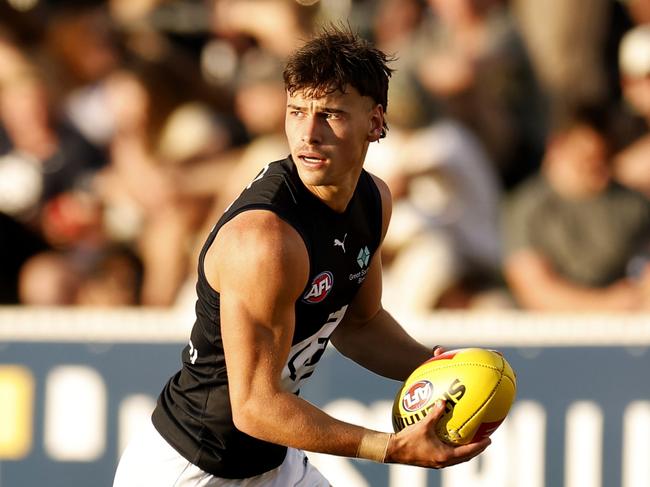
(329, 137)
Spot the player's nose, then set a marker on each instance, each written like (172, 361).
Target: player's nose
(311, 133)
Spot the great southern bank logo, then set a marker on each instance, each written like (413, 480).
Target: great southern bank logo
(363, 257)
(320, 287)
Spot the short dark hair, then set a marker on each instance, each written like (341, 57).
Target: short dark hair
(337, 58)
(595, 116)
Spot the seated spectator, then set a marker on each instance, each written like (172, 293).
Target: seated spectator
(79, 68)
(472, 60)
(43, 158)
(570, 232)
(47, 279)
(161, 131)
(35, 139)
(443, 248)
(108, 276)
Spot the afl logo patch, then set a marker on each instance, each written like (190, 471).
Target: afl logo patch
(320, 288)
(417, 396)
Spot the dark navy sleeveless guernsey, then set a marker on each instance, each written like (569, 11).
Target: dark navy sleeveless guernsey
(193, 412)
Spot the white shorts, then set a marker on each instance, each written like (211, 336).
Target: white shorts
(149, 460)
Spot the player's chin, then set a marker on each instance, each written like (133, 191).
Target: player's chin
(313, 180)
(314, 176)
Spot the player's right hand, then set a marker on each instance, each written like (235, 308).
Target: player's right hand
(419, 444)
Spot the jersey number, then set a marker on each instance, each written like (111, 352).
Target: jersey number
(304, 355)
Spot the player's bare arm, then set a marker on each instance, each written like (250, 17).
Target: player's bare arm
(257, 325)
(371, 337)
(368, 327)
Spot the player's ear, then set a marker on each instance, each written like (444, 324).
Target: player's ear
(376, 123)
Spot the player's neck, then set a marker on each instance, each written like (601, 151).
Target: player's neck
(337, 197)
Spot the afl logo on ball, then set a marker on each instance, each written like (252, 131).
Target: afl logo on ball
(320, 288)
(417, 396)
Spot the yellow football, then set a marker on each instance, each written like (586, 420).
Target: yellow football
(478, 386)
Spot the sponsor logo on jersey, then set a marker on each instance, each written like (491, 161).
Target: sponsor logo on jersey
(363, 257)
(320, 287)
(358, 276)
(417, 396)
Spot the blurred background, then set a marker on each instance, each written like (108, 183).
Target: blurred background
(518, 156)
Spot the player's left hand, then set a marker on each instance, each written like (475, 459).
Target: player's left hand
(438, 350)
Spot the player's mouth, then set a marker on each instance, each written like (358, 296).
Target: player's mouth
(312, 159)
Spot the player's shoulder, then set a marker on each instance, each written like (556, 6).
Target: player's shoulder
(256, 246)
(260, 231)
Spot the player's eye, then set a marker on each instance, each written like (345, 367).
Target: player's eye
(331, 115)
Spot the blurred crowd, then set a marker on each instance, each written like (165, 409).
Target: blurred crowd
(518, 151)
